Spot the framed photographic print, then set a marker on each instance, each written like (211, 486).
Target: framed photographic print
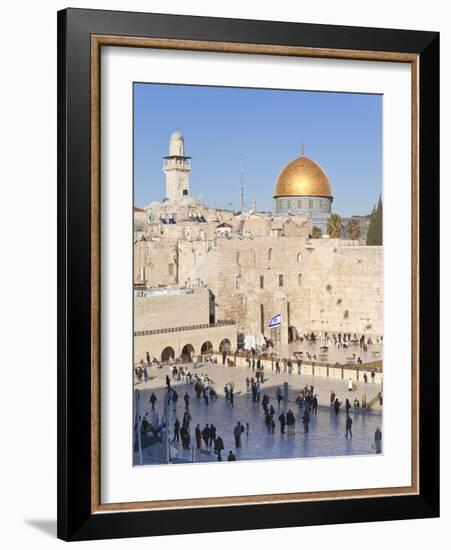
(248, 274)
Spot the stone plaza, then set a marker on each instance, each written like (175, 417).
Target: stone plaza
(326, 435)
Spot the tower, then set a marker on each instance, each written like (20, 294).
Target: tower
(177, 167)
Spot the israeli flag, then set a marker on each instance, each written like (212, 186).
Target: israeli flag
(276, 321)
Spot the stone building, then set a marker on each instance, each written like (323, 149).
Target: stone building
(179, 321)
(259, 265)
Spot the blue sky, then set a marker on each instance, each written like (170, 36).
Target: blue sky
(265, 128)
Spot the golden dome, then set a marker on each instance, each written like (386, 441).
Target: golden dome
(302, 177)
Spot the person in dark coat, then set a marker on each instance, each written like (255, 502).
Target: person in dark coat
(219, 446)
(176, 430)
(315, 404)
(206, 434)
(348, 426)
(198, 435)
(153, 400)
(282, 421)
(348, 406)
(336, 406)
(212, 435)
(186, 398)
(231, 457)
(184, 434)
(378, 440)
(237, 431)
(175, 397)
(268, 423)
(305, 421)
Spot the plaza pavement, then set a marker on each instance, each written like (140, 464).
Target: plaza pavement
(326, 431)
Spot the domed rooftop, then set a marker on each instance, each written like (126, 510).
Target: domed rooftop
(176, 135)
(302, 177)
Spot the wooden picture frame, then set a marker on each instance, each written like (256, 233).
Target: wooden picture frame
(81, 35)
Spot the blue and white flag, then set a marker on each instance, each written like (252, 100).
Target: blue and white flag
(276, 321)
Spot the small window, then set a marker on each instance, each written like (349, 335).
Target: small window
(185, 191)
(280, 279)
(171, 270)
(299, 279)
(237, 257)
(299, 258)
(262, 281)
(270, 254)
(237, 283)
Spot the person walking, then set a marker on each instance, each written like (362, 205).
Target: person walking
(146, 374)
(219, 446)
(186, 399)
(212, 435)
(176, 430)
(348, 406)
(268, 423)
(175, 397)
(336, 406)
(279, 396)
(306, 421)
(153, 400)
(231, 397)
(332, 399)
(315, 404)
(378, 440)
(184, 434)
(348, 426)
(282, 421)
(290, 422)
(206, 434)
(168, 382)
(237, 431)
(198, 435)
(148, 358)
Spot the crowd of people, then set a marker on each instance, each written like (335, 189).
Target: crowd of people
(206, 436)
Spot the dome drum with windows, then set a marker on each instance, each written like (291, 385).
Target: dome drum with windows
(303, 188)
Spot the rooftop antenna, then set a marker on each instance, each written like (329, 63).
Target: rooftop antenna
(302, 150)
(242, 184)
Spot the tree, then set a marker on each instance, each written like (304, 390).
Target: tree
(334, 226)
(353, 229)
(374, 235)
(316, 232)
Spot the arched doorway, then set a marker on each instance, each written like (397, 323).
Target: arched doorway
(207, 347)
(225, 345)
(166, 354)
(187, 353)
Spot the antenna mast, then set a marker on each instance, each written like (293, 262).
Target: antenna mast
(242, 184)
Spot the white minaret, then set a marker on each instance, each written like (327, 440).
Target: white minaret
(177, 168)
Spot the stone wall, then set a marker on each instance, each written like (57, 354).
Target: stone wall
(324, 285)
(172, 308)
